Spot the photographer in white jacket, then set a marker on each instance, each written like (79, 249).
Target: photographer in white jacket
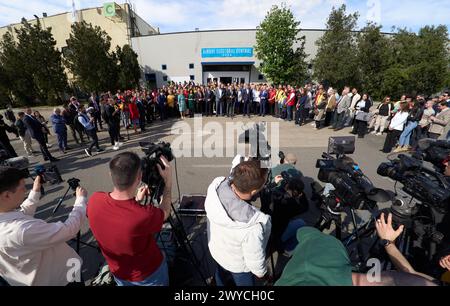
(237, 231)
(32, 251)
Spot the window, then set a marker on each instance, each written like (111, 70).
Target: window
(260, 77)
(165, 78)
(164, 67)
(150, 77)
(192, 77)
(191, 66)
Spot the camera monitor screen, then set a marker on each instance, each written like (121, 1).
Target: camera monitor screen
(341, 145)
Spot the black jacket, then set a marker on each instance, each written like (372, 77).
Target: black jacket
(35, 127)
(21, 127)
(247, 97)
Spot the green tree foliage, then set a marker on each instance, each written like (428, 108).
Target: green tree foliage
(89, 58)
(128, 67)
(372, 59)
(418, 63)
(336, 61)
(32, 66)
(279, 47)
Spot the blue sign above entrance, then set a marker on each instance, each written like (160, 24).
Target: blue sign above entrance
(227, 52)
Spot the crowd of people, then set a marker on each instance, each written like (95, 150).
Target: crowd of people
(404, 122)
(240, 236)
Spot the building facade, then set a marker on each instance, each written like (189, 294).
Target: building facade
(201, 56)
(120, 22)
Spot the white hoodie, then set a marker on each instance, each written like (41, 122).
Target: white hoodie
(236, 246)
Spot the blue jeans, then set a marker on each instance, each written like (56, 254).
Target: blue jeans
(289, 113)
(263, 110)
(62, 140)
(159, 278)
(289, 237)
(405, 137)
(245, 279)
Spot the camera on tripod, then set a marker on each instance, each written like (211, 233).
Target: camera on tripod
(420, 182)
(150, 173)
(351, 187)
(434, 151)
(50, 175)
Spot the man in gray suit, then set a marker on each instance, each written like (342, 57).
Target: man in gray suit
(342, 109)
(220, 100)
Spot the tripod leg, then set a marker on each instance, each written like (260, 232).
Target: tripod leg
(358, 246)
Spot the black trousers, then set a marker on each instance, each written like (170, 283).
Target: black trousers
(43, 147)
(328, 118)
(230, 108)
(391, 140)
(246, 111)
(360, 128)
(113, 133)
(94, 139)
(339, 122)
(8, 147)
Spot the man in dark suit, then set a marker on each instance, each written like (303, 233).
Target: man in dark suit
(94, 102)
(231, 101)
(209, 100)
(247, 98)
(220, 100)
(37, 132)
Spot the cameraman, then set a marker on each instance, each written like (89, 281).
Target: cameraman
(388, 236)
(288, 202)
(237, 231)
(125, 229)
(32, 251)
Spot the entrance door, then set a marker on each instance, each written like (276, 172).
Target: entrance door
(226, 80)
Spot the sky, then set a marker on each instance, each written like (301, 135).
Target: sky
(187, 15)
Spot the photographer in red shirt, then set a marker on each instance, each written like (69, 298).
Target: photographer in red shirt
(125, 230)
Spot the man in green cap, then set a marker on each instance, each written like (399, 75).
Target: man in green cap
(322, 260)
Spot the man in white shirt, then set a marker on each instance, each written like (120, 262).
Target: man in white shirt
(32, 251)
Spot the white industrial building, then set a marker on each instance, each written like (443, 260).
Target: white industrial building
(221, 55)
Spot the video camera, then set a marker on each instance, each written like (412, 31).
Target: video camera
(150, 173)
(435, 152)
(50, 174)
(351, 187)
(420, 182)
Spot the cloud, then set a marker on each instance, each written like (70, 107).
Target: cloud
(186, 15)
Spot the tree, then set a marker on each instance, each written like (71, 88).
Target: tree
(280, 49)
(433, 68)
(372, 59)
(129, 70)
(336, 60)
(89, 58)
(418, 63)
(32, 65)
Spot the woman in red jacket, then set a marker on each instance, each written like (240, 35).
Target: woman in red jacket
(134, 113)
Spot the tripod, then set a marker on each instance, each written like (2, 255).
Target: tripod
(73, 185)
(180, 234)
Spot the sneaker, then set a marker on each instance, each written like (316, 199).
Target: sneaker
(100, 150)
(373, 133)
(398, 149)
(379, 134)
(88, 153)
(115, 148)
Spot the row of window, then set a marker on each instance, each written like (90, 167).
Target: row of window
(164, 67)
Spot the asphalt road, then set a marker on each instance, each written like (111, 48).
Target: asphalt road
(194, 173)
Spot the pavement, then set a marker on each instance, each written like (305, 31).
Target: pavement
(194, 173)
